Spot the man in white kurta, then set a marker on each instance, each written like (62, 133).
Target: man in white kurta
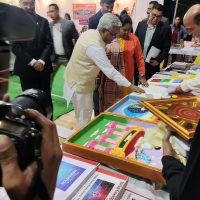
(192, 24)
(87, 60)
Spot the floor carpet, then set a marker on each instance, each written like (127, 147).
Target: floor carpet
(59, 103)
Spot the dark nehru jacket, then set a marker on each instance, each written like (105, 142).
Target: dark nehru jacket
(94, 20)
(183, 181)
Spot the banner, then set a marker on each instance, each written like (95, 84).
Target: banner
(83, 11)
(83, 21)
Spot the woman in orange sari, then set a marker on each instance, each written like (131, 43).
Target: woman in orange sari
(125, 53)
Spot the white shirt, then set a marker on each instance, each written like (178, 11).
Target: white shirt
(98, 55)
(192, 84)
(33, 61)
(57, 39)
(3, 194)
(148, 37)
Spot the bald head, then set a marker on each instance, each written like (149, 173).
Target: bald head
(192, 20)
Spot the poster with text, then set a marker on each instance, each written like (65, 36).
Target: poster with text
(83, 11)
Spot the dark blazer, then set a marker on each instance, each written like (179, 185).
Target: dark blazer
(40, 47)
(183, 181)
(94, 20)
(69, 33)
(161, 38)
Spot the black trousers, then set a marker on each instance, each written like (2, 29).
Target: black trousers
(96, 101)
(151, 70)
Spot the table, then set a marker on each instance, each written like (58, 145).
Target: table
(188, 51)
(137, 184)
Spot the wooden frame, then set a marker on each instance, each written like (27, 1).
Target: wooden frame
(169, 111)
(131, 166)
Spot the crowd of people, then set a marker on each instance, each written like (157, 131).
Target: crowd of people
(103, 64)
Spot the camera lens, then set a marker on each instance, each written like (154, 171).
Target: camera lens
(34, 99)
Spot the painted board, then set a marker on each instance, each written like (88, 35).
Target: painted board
(129, 106)
(181, 114)
(122, 143)
(166, 82)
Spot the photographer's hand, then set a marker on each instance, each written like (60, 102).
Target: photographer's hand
(17, 182)
(50, 150)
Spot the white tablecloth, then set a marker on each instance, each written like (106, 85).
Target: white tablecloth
(188, 51)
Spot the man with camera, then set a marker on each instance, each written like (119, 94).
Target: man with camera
(24, 131)
(17, 182)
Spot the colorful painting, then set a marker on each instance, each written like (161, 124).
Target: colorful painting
(181, 114)
(179, 76)
(99, 190)
(129, 106)
(67, 175)
(166, 82)
(158, 80)
(120, 137)
(129, 144)
(83, 11)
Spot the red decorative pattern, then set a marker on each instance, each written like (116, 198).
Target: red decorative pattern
(185, 112)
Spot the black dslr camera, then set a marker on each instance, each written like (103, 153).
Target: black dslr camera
(17, 25)
(24, 133)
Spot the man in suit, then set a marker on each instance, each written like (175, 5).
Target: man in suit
(64, 35)
(106, 7)
(150, 8)
(33, 64)
(154, 33)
